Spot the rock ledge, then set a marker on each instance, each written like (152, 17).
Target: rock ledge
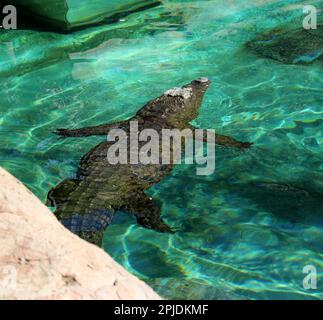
(40, 259)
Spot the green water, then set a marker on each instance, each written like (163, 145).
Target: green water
(237, 237)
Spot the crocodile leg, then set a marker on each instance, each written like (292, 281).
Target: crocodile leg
(224, 140)
(102, 129)
(148, 214)
(229, 142)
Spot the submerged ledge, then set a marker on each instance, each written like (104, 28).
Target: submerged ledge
(295, 46)
(40, 259)
(69, 15)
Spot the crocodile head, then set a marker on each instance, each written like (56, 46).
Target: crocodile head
(178, 105)
(183, 103)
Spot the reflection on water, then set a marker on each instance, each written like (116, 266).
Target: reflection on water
(248, 230)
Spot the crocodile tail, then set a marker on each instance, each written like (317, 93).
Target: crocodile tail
(91, 226)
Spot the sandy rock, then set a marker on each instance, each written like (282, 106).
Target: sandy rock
(40, 259)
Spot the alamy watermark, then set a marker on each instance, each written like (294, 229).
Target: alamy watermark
(9, 17)
(8, 278)
(152, 147)
(310, 20)
(310, 280)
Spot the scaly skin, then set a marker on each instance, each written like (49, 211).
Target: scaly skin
(86, 204)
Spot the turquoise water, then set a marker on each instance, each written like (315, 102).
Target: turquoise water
(241, 234)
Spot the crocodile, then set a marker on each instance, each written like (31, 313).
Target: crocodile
(86, 204)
